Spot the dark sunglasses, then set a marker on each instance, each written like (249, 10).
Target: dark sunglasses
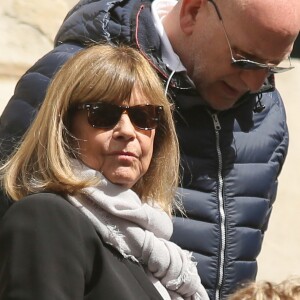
(106, 115)
(253, 65)
(248, 64)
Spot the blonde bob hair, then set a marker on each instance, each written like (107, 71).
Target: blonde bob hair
(288, 289)
(99, 72)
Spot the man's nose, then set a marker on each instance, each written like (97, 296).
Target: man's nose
(254, 79)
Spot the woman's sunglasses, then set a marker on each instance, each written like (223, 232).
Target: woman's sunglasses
(106, 115)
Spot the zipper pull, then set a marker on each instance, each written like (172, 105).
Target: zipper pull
(217, 124)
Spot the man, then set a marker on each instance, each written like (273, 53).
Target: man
(216, 60)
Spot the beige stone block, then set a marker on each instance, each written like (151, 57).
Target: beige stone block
(44, 16)
(27, 31)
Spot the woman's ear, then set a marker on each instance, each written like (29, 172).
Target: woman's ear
(188, 14)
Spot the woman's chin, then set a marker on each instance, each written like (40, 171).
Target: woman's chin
(125, 181)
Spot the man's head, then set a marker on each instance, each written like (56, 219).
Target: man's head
(202, 33)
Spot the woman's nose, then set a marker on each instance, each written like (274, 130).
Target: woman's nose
(124, 128)
(254, 79)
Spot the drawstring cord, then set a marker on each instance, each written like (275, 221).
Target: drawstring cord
(170, 77)
(168, 82)
(259, 107)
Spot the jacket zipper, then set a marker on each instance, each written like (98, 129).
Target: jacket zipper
(217, 127)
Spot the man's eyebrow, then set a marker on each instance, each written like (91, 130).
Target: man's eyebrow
(254, 57)
(246, 54)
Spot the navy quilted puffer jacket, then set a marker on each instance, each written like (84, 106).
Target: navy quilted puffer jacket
(231, 160)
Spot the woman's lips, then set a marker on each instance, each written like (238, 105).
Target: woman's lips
(124, 154)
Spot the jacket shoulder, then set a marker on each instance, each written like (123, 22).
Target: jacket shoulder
(29, 95)
(114, 21)
(50, 213)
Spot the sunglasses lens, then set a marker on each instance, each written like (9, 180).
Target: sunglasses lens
(248, 65)
(276, 70)
(104, 115)
(145, 116)
(252, 65)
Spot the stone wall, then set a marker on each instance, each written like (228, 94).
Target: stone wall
(28, 28)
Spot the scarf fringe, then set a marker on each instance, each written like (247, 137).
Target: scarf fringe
(117, 238)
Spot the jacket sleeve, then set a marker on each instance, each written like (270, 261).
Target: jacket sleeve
(43, 252)
(29, 95)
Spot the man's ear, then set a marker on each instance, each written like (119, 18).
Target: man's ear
(188, 14)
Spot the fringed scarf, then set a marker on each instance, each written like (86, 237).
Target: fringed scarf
(140, 232)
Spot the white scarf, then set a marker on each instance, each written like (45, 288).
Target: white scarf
(139, 231)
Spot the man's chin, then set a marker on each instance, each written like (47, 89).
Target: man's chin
(221, 105)
(219, 100)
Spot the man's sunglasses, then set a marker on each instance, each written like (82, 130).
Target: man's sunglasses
(106, 115)
(248, 64)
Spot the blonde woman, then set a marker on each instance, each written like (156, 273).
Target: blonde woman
(94, 182)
